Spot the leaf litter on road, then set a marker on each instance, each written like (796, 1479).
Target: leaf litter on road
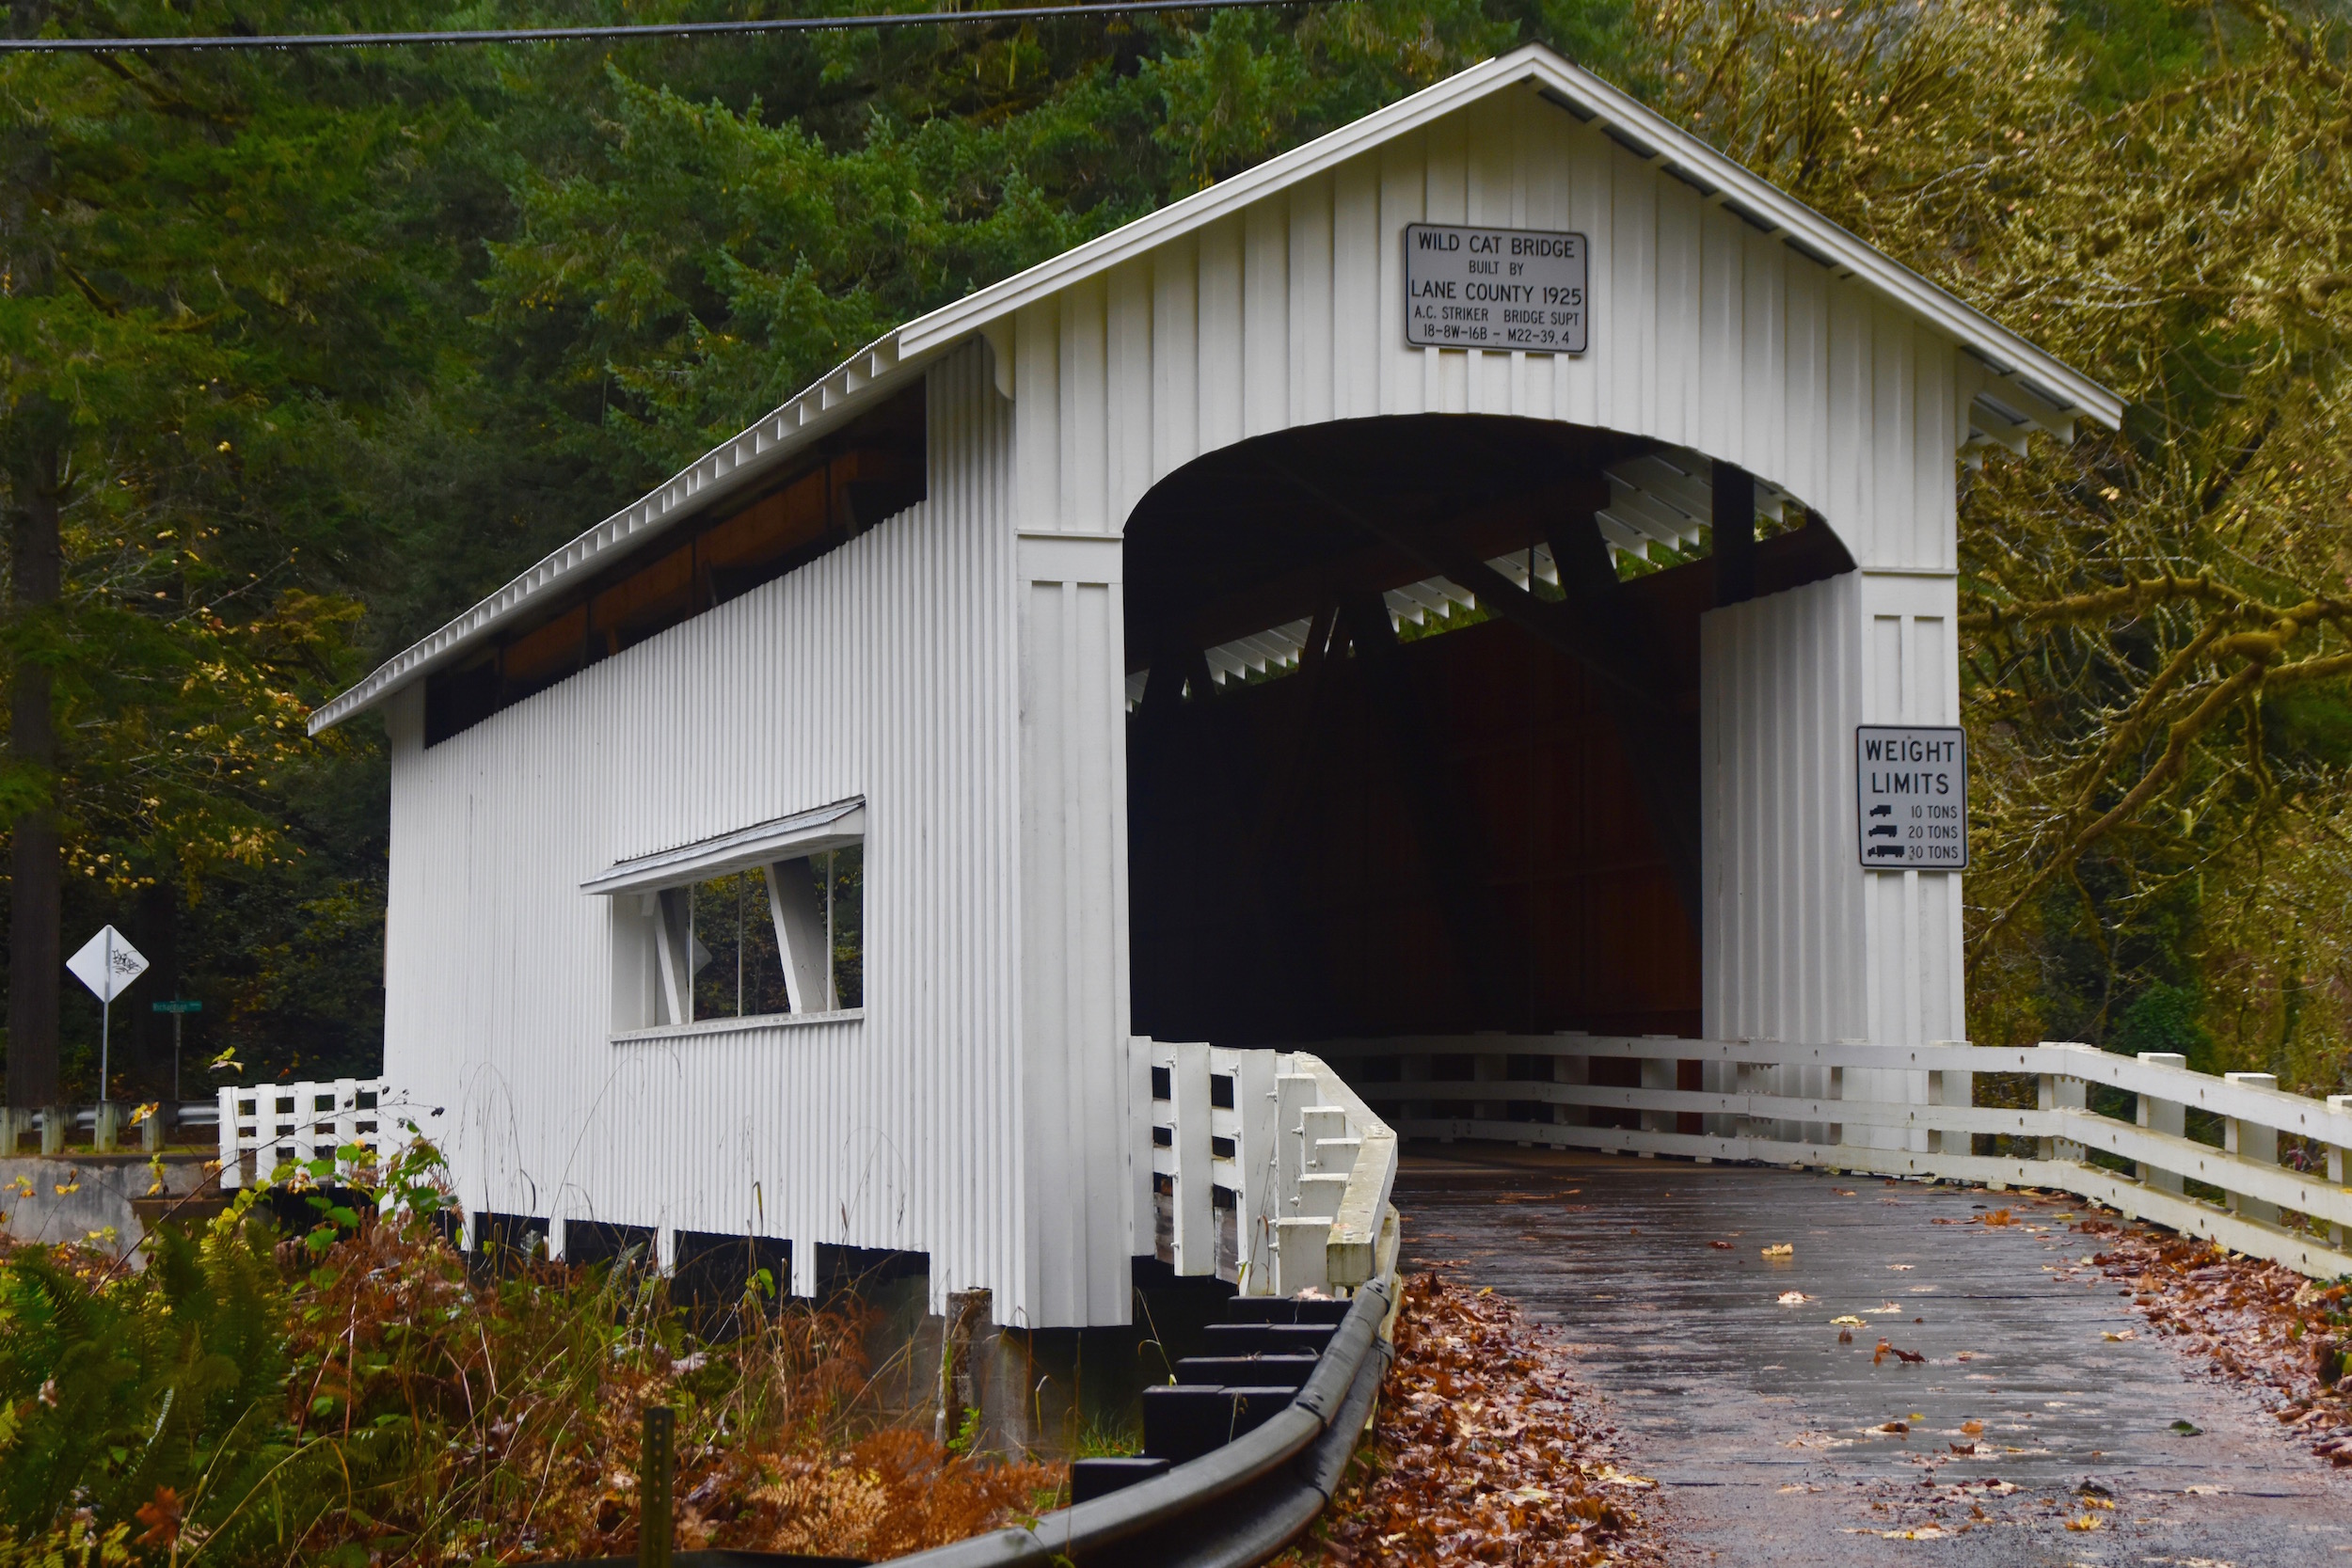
(1485, 1448)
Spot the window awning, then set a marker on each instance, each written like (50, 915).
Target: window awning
(808, 833)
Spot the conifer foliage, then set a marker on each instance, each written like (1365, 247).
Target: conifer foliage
(307, 352)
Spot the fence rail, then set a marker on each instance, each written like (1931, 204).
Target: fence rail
(1267, 1168)
(1904, 1111)
(304, 1122)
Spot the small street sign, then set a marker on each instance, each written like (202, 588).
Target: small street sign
(179, 1009)
(107, 963)
(1911, 797)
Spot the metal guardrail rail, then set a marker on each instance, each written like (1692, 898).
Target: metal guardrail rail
(1233, 1508)
(112, 1125)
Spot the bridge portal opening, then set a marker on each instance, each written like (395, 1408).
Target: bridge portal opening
(1414, 727)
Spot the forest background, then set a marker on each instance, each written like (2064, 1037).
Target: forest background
(307, 351)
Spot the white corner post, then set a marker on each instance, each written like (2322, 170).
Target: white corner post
(1078, 1217)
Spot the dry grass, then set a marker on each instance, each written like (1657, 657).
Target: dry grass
(384, 1408)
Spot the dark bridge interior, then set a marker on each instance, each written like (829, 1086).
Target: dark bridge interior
(1492, 828)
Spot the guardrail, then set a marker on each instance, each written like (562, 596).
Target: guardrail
(1267, 1168)
(106, 1124)
(1902, 1111)
(1237, 1506)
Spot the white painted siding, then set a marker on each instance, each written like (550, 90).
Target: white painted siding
(886, 670)
(1706, 333)
(1801, 942)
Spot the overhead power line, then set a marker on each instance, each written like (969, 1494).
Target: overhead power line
(644, 30)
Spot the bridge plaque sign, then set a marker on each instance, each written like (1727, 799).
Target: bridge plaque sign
(1494, 289)
(1911, 797)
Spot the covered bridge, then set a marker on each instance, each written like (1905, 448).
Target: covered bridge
(798, 853)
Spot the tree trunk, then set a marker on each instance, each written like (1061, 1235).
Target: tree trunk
(36, 954)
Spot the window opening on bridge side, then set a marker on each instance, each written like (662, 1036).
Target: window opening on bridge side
(769, 941)
(763, 921)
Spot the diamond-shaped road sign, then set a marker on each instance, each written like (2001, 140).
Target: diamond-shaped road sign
(107, 964)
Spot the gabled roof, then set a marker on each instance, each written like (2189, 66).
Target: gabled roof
(2032, 377)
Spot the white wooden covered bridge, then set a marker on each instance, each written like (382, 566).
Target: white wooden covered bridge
(802, 852)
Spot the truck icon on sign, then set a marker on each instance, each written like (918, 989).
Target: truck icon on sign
(1884, 829)
(1882, 809)
(1880, 852)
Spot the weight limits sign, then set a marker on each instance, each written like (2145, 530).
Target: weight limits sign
(1494, 288)
(1911, 797)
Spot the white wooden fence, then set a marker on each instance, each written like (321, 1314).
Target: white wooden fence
(1265, 1168)
(278, 1123)
(1902, 1111)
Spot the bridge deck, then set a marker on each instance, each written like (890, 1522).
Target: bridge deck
(1767, 1433)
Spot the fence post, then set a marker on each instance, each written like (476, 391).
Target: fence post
(1194, 1240)
(2162, 1116)
(232, 1166)
(346, 1122)
(1950, 1089)
(2335, 1167)
(2252, 1140)
(1490, 1067)
(1570, 1069)
(1255, 1162)
(2056, 1092)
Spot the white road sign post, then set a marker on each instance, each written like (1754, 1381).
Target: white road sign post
(107, 964)
(1911, 797)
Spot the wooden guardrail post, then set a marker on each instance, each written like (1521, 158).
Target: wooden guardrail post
(2058, 1093)
(1946, 1088)
(2335, 1167)
(1569, 1068)
(2162, 1116)
(1195, 1231)
(2252, 1140)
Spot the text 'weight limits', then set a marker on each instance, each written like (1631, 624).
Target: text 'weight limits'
(1911, 797)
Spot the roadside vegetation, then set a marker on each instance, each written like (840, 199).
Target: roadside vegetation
(353, 1396)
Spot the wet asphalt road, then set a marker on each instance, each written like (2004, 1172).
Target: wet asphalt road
(1767, 1436)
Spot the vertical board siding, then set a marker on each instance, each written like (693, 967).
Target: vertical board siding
(1704, 332)
(883, 669)
(1780, 691)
